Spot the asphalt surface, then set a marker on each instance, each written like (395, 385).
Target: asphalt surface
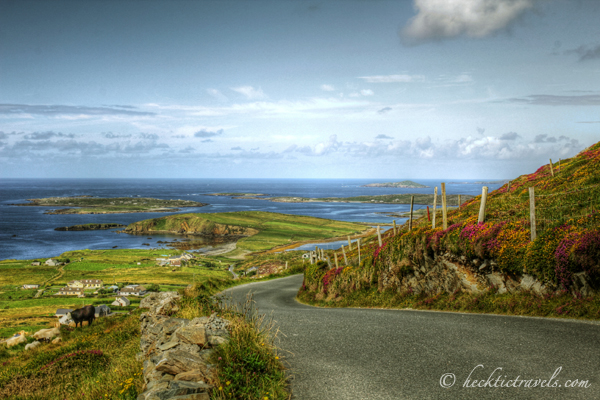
(345, 353)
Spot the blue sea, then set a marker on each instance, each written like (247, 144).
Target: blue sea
(27, 233)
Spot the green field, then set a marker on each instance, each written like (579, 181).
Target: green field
(267, 229)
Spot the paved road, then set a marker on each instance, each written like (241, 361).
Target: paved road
(235, 276)
(400, 354)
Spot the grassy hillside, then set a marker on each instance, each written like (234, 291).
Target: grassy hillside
(567, 243)
(267, 229)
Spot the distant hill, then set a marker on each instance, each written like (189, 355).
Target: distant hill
(403, 184)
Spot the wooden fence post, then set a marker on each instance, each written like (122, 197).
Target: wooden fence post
(286, 265)
(551, 168)
(459, 201)
(349, 244)
(345, 259)
(312, 261)
(336, 262)
(532, 213)
(434, 207)
(508, 188)
(394, 227)
(379, 235)
(484, 192)
(412, 201)
(358, 243)
(444, 207)
(559, 165)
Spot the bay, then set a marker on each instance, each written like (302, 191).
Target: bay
(27, 233)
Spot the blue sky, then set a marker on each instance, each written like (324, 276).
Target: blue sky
(296, 89)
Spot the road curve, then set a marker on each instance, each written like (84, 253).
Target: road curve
(345, 353)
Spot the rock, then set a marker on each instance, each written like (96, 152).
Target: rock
(195, 396)
(57, 340)
(192, 334)
(192, 376)
(161, 303)
(485, 265)
(496, 280)
(581, 285)
(476, 262)
(217, 340)
(177, 361)
(177, 390)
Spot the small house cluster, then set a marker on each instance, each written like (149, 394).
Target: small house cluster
(174, 261)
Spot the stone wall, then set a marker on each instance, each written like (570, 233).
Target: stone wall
(449, 273)
(176, 351)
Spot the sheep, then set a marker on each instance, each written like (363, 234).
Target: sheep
(32, 345)
(47, 334)
(16, 340)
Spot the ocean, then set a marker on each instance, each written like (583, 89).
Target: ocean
(28, 233)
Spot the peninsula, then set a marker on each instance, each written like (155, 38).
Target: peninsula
(103, 205)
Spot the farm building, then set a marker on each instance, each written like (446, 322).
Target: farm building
(31, 286)
(52, 263)
(35, 263)
(102, 310)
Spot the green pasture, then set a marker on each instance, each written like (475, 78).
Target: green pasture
(20, 272)
(273, 229)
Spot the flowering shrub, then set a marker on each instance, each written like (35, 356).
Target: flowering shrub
(568, 231)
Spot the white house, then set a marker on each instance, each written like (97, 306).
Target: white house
(51, 262)
(121, 302)
(67, 291)
(133, 290)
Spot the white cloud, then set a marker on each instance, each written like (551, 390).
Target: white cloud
(250, 92)
(217, 94)
(327, 88)
(367, 92)
(393, 78)
(439, 19)
(463, 78)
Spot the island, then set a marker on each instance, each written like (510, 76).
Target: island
(90, 227)
(419, 198)
(113, 205)
(237, 195)
(403, 184)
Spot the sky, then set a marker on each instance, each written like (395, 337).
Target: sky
(422, 89)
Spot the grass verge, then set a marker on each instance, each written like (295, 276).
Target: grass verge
(558, 305)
